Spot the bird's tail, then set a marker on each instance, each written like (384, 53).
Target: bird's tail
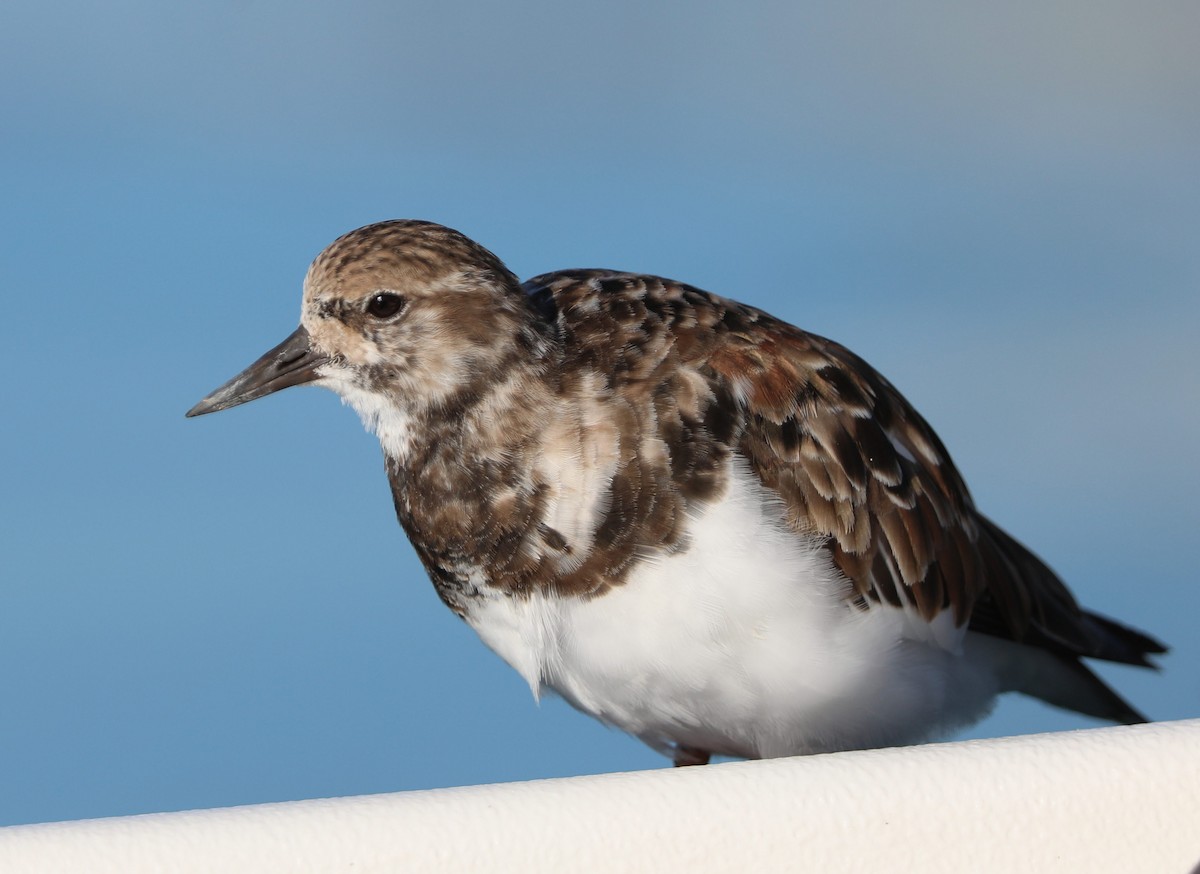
(1115, 642)
(1059, 679)
(1072, 685)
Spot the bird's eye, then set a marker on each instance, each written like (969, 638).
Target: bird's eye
(384, 305)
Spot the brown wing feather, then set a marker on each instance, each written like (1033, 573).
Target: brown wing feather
(854, 461)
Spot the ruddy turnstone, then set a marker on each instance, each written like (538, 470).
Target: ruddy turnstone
(695, 522)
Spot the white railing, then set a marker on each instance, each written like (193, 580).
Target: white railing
(1115, 799)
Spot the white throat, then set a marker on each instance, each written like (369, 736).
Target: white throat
(392, 425)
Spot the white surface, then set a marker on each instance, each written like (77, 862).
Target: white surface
(1115, 799)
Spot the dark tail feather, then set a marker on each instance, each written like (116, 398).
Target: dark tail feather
(1098, 699)
(1028, 603)
(1064, 681)
(1115, 642)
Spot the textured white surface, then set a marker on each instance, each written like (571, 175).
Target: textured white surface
(1115, 799)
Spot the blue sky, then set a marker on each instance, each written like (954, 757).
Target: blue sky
(997, 207)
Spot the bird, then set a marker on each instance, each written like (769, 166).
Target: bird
(693, 521)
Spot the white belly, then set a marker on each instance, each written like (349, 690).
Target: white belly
(742, 645)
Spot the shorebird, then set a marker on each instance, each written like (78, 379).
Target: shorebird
(692, 520)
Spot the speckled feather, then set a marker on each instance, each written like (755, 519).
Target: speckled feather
(545, 441)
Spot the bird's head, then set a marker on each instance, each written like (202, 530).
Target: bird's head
(404, 313)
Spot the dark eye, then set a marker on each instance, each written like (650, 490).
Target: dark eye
(384, 305)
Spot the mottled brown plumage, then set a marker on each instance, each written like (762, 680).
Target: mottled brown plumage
(547, 440)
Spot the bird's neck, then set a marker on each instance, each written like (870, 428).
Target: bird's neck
(461, 477)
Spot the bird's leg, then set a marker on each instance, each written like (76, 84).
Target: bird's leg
(690, 756)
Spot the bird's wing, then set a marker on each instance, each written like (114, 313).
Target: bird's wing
(854, 462)
(850, 458)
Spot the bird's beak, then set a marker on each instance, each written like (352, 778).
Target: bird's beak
(292, 362)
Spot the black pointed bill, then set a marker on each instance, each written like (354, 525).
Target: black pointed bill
(292, 362)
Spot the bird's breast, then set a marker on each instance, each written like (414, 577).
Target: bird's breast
(696, 645)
